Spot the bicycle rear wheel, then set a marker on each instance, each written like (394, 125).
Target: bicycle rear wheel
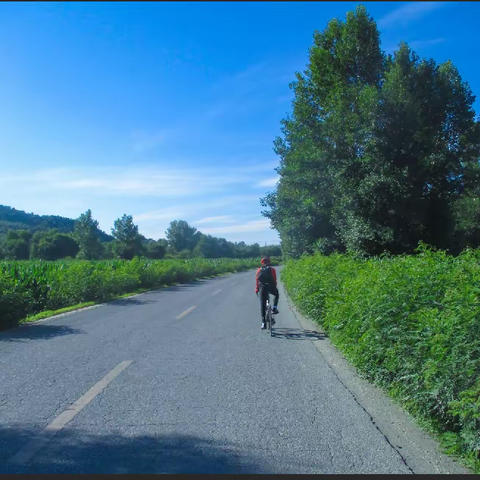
(271, 322)
(266, 313)
(269, 316)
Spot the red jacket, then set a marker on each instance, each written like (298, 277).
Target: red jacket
(274, 274)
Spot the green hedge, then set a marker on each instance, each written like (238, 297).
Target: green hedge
(30, 287)
(410, 324)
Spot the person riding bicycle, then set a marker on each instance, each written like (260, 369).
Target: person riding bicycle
(265, 283)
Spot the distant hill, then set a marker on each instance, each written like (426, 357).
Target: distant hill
(13, 219)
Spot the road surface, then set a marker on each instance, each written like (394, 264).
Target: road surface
(181, 380)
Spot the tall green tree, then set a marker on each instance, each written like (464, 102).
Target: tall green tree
(181, 236)
(86, 236)
(271, 250)
(205, 247)
(17, 244)
(378, 149)
(466, 213)
(129, 242)
(323, 135)
(213, 247)
(52, 245)
(155, 249)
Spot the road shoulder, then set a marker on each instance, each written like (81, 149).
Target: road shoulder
(421, 453)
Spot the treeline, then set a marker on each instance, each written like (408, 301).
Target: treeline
(85, 243)
(13, 219)
(381, 152)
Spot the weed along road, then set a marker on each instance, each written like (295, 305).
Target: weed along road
(182, 380)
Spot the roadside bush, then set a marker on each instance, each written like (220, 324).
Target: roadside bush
(12, 302)
(410, 324)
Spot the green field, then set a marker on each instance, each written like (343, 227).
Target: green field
(31, 287)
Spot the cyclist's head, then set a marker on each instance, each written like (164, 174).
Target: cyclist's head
(265, 261)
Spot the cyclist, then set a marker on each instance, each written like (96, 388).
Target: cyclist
(266, 282)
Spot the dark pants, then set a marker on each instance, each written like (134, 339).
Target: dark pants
(263, 291)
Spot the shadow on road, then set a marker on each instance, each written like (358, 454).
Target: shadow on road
(188, 285)
(297, 334)
(37, 332)
(143, 299)
(76, 451)
(17, 332)
(125, 302)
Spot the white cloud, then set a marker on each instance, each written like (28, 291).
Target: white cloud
(161, 214)
(85, 183)
(409, 12)
(154, 223)
(269, 182)
(143, 181)
(257, 87)
(415, 45)
(253, 231)
(219, 219)
(218, 198)
(253, 226)
(426, 43)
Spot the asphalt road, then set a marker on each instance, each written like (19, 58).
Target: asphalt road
(151, 385)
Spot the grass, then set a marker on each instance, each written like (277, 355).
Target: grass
(51, 313)
(79, 306)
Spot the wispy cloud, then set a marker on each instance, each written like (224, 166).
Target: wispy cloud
(409, 12)
(142, 181)
(419, 44)
(219, 219)
(226, 212)
(256, 87)
(253, 226)
(415, 44)
(169, 213)
(153, 224)
(188, 210)
(269, 182)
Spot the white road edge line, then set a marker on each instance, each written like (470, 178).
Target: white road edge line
(25, 454)
(217, 291)
(186, 312)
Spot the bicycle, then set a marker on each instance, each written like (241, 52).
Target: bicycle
(269, 316)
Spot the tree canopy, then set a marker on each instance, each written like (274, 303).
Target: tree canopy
(53, 245)
(13, 219)
(85, 234)
(380, 151)
(128, 241)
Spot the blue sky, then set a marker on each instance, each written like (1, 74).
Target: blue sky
(168, 110)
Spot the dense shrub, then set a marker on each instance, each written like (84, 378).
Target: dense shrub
(409, 323)
(29, 287)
